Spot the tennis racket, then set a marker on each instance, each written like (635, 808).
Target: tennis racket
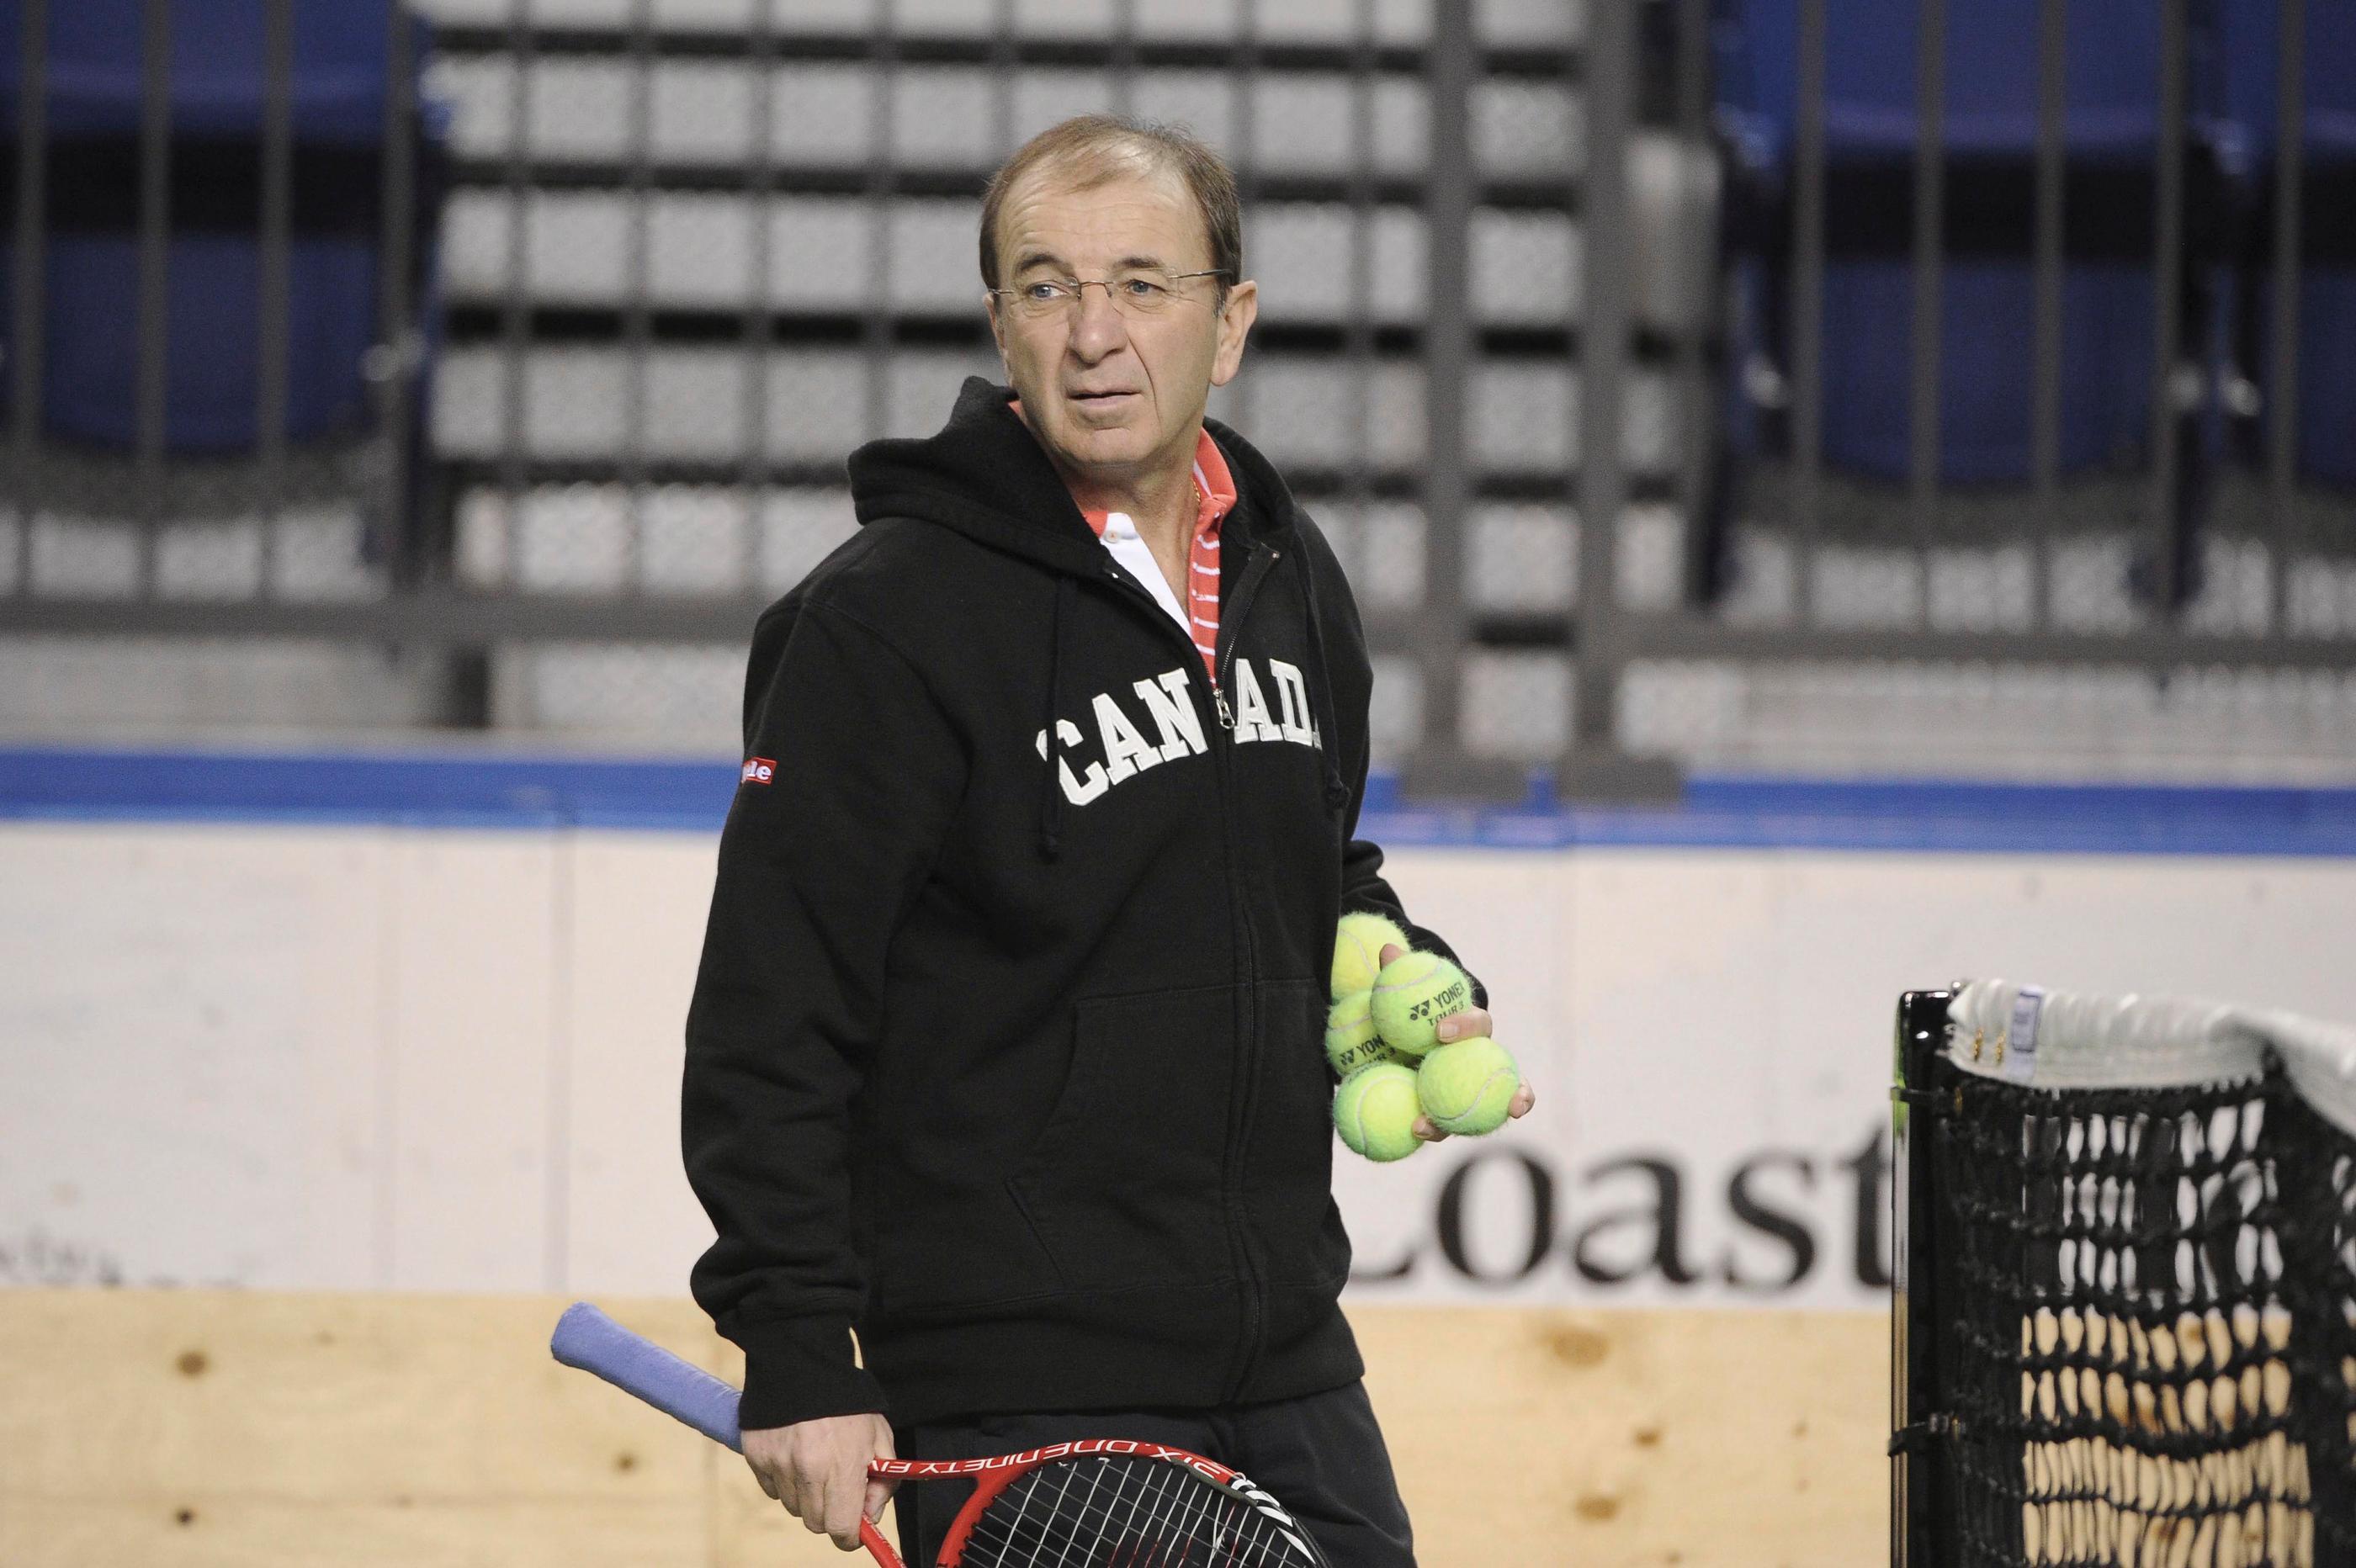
(1095, 1503)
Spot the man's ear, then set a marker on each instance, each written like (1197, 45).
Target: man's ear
(1235, 324)
(997, 330)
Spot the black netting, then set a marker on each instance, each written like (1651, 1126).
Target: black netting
(2146, 1305)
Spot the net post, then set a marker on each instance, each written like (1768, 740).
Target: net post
(1915, 1413)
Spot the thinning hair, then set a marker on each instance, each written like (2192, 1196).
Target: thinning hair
(1090, 150)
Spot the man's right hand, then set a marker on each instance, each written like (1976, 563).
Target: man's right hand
(818, 1470)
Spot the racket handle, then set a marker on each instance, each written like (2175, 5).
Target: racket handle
(587, 1339)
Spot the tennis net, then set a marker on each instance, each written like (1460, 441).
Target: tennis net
(2125, 1318)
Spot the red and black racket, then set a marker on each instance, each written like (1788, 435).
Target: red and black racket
(1096, 1503)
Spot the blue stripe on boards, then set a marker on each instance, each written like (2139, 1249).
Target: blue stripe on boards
(453, 787)
(441, 788)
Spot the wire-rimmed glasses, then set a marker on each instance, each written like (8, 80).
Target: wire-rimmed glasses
(1133, 291)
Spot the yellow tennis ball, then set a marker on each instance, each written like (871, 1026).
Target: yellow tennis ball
(1466, 1087)
(1412, 994)
(1375, 1111)
(1352, 1041)
(1358, 950)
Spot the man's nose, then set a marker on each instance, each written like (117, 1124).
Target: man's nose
(1097, 328)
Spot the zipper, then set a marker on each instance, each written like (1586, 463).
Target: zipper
(1253, 1304)
(1231, 619)
(1255, 569)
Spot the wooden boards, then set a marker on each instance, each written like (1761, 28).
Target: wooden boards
(224, 1427)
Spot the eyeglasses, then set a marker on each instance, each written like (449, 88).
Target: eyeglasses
(1142, 290)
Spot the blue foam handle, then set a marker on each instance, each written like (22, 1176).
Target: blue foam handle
(587, 1339)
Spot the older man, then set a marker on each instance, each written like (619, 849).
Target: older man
(1005, 1048)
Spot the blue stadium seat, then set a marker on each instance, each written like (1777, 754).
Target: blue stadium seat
(2113, 74)
(94, 63)
(213, 268)
(2327, 306)
(1988, 306)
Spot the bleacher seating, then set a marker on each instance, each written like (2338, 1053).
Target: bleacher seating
(214, 267)
(2325, 382)
(1987, 304)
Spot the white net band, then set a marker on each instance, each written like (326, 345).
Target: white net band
(2061, 1040)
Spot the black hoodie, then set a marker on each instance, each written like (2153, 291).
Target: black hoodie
(1006, 1048)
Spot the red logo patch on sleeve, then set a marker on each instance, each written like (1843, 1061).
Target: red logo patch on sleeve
(759, 771)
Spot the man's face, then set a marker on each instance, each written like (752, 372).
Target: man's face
(1108, 394)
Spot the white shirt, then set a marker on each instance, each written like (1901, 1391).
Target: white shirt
(1128, 548)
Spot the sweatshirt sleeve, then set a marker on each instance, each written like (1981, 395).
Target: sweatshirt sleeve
(1364, 886)
(820, 861)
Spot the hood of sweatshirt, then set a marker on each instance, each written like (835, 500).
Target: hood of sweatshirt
(985, 476)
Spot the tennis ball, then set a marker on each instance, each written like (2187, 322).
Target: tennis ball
(1466, 1087)
(1412, 994)
(1358, 950)
(1375, 1111)
(1350, 1038)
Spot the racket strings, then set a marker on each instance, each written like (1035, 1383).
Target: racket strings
(1105, 1511)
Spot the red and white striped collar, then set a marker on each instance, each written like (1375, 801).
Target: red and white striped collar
(1214, 491)
(1214, 486)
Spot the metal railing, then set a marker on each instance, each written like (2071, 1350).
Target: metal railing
(2192, 385)
(693, 267)
(134, 483)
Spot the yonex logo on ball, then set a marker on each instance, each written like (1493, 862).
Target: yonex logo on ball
(1450, 1000)
(759, 771)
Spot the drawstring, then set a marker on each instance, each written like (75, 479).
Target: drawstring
(1337, 793)
(1051, 803)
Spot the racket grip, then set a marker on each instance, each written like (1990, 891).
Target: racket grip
(587, 1339)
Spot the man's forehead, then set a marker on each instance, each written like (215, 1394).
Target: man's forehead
(1149, 213)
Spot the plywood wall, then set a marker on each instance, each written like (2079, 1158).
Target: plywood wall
(255, 1429)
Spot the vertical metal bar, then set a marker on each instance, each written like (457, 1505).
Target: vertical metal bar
(27, 335)
(277, 269)
(515, 310)
(401, 353)
(760, 184)
(1122, 56)
(2282, 362)
(1602, 490)
(1930, 268)
(2169, 532)
(155, 277)
(1358, 309)
(1005, 70)
(1691, 325)
(875, 329)
(1246, 162)
(1807, 306)
(1448, 365)
(2045, 411)
(637, 319)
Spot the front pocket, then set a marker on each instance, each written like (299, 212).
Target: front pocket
(941, 1248)
(1125, 1184)
(1288, 1156)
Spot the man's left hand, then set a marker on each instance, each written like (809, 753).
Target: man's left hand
(1463, 1026)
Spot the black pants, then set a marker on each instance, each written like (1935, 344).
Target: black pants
(1321, 1455)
